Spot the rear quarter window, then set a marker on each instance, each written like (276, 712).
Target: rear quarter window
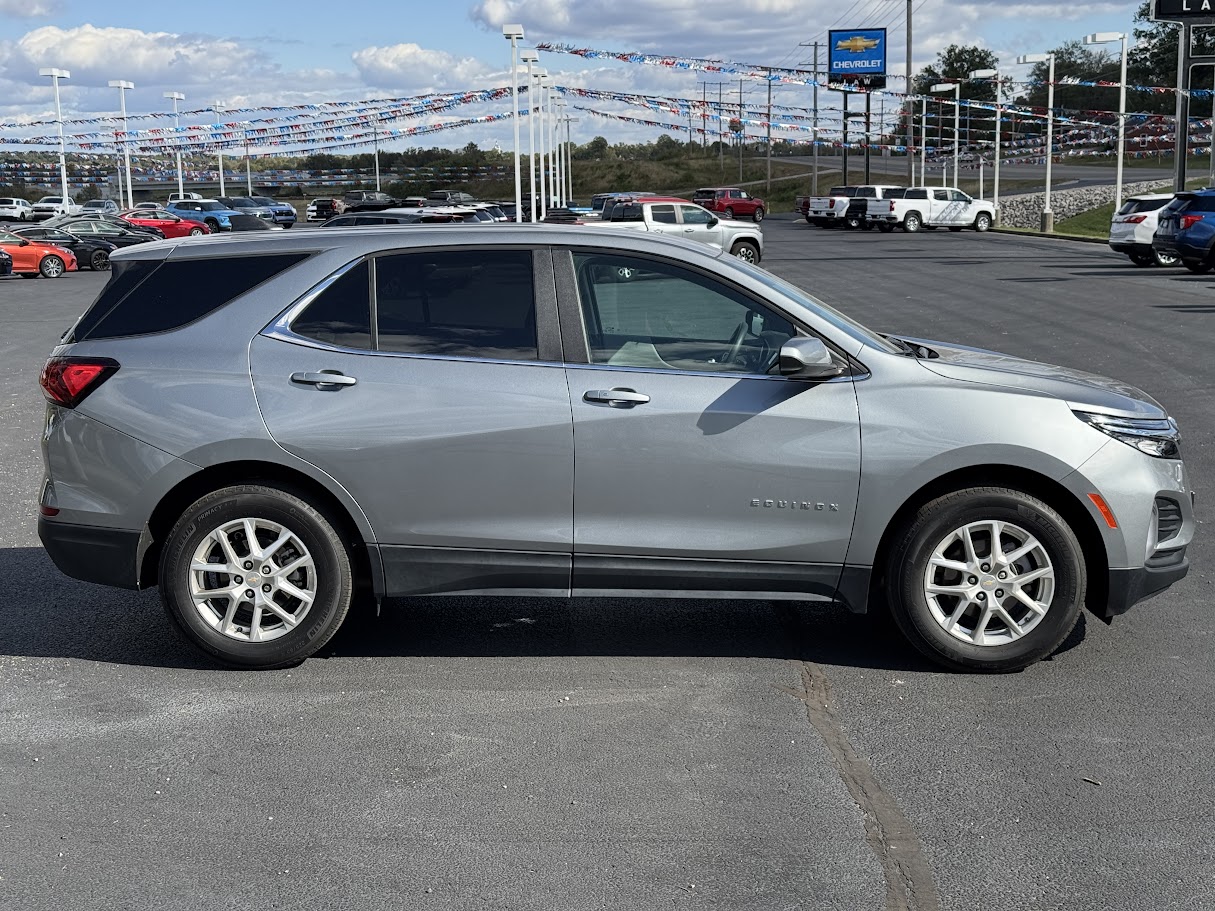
(147, 296)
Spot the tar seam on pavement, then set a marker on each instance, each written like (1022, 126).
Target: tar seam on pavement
(909, 882)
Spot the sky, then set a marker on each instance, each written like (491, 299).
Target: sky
(267, 52)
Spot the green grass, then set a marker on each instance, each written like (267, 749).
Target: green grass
(1096, 222)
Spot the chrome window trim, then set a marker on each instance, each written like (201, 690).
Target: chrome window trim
(663, 371)
(286, 335)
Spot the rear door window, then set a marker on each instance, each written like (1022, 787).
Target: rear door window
(341, 314)
(664, 215)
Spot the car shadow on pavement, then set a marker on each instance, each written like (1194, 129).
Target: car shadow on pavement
(52, 616)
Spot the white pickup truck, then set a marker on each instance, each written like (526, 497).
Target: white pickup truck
(847, 205)
(680, 218)
(930, 207)
(50, 206)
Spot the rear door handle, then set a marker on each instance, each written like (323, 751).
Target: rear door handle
(615, 398)
(323, 378)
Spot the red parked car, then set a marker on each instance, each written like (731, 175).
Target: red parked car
(731, 202)
(32, 258)
(172, 225)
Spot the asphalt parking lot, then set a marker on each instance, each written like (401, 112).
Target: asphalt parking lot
(523, 753)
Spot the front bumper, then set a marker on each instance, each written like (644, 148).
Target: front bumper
(107, 556)
(1127, 587)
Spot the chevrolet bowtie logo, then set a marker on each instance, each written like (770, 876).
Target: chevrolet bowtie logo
(856, 44)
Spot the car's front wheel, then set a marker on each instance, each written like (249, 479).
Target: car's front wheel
(746, 251)
(196, 232)
(987, 578)
(982, 222)
(51, 267)
(256, 576)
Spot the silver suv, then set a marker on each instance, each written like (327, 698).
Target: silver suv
(260, 425)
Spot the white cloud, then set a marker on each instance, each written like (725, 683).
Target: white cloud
(28, 9)
(412, 69)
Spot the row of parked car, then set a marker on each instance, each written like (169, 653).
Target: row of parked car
(888, 207)
(1165, 229)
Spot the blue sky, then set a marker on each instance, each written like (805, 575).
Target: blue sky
(266, 52)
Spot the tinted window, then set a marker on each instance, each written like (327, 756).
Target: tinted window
(958, 196)
(866, 193)
(1201, 204)
(145, 296)
(341, 314)
(842, 191)
(940, 195)
(645, 313)
(457, 303)
(663, 214)
(916, 193)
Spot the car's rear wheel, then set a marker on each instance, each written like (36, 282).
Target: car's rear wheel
(99, 261)
(1161, 258)
(912, 222)
(51, 267)
(758, 214)
(746, 251)
(1197, 266)
(256, 576)
(986, 578)
(728, 214)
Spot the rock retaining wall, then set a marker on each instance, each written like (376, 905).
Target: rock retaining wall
(1025, 211)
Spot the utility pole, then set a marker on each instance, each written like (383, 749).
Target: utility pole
(721, 133)
(768, 185)
(704, 122)
(910, 107)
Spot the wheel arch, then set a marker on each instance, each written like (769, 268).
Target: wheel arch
(366, 566)
(1050, 491)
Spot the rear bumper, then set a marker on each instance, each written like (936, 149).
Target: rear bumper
(107, 556)
(1129, 247)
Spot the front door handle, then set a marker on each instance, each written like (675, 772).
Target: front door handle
(323, 378)
(615, 398)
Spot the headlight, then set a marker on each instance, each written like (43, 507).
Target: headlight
(1158, 438)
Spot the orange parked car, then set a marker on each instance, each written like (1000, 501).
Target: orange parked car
(32, 257)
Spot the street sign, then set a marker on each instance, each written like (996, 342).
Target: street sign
(1191, 12)
(858, 56)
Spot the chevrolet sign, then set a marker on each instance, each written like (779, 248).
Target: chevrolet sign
(861, 52)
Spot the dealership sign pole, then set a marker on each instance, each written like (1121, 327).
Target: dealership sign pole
(857, 59)
(1187, 13)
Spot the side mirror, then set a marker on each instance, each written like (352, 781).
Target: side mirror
(808, 359)
(713, 220)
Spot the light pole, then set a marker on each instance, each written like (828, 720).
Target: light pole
(218, 108)
(529, 57)
(956, 88)
(514, 33)
(56, 75)
(559, 106)
(122, 86)
(375, 139)
(923, 141)
(1106, 38)
(177, 96)
(550, 121)
(995, 192)
(1048, 217)
(542, 78)
(569, 161)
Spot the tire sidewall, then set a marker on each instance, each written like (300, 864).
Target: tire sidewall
(912, 222)
(909, 604)
(982, 222)
(332, 564)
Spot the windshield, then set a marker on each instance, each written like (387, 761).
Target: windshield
(844, 323)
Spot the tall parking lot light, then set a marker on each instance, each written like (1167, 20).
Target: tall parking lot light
(1107, 38)
(1048, 216)
(122, 86)
(529, 56)
(559, 145)
(956, 88)
(219, 108)
(993, 74)
(56, 75)
(177, 96)
(541, 126)
(514, 34)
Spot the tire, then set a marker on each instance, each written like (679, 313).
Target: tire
(196, 232)
(962, 630)
(1197, 266)
(912, 222)
(982, 222)
(746, 251)
(51, 267)
(1161, 258)
(223, 625)
(213, 225)
(885, 227)
(1141, 259)
(99, 261)
(758, 215)
(728, 214)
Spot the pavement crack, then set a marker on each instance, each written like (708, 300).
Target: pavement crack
(909, 882)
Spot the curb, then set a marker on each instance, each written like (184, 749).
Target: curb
(1051, 236)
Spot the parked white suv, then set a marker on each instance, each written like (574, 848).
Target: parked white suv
(1133, 225)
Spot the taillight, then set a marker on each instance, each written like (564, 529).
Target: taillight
(67, 381)
(892, 205)
(1134, 219)
(1188, 221)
